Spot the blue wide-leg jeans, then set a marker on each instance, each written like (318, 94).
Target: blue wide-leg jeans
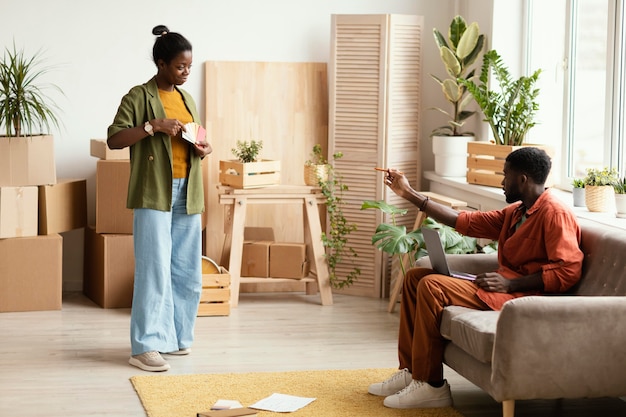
(168, 276)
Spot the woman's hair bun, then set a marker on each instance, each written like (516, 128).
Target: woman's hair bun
(160, 30)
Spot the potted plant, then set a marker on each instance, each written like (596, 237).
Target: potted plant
(578, 192)
(619, 187)
(316, 168)
(509, 107)
(458, 53)
(248, 170)
(396, 241)
(335, 241)
(247, 151)
(599, 189)
(26, 113)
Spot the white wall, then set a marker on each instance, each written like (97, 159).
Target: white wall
(101, 49)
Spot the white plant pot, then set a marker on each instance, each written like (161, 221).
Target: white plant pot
(579, 197)
(451, 155)
(620, 205)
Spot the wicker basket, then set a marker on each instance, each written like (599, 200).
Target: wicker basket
(314, 173)
(599, 198)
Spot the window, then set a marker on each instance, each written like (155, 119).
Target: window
(577, 44)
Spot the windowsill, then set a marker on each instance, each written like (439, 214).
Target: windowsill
(496, 194)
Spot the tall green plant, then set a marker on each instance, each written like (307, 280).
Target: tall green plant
(24, 107)
(458, 53)
(335, 241)
(509, 108)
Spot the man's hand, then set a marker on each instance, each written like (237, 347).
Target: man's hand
(493, 282)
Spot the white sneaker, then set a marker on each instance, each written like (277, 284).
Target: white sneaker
(391, 385)
(420, 395)
(149, 361)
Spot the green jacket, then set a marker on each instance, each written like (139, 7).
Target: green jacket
(150, 184)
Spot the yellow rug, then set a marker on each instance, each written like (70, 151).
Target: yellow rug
(338, 393)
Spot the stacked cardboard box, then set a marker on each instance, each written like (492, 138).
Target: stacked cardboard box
(109, 256)
(35, 208)
(262, 257)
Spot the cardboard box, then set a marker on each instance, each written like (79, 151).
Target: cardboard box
(109, 269)
(112, 216)
(31, 273)
(18, 211)
(62, 206)
(100, 149)
(27, 161)
(241, 175)
(215, 297)
(255, 258)
(288, 260)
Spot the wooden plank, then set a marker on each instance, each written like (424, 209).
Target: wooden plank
(283, 104)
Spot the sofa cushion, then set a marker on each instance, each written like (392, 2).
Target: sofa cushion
(471, 330)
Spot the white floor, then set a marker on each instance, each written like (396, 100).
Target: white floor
(73, 362)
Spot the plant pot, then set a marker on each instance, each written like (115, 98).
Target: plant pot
(620, 205)
(579, 197)
(485, 162)
(314, 173)
(451, 155)
(599, 198)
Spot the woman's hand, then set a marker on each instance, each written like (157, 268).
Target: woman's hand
(171, 127)
(202, 149)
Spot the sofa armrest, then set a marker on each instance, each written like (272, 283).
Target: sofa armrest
(560, 347)
(474, 263)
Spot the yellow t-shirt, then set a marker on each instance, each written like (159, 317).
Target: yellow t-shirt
(175, 109)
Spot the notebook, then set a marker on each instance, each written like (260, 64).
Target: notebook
(438, 256)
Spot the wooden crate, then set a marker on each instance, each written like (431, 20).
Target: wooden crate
(215, 297)
(237, 174)
(485, 162)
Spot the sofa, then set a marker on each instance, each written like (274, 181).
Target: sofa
(569, 345)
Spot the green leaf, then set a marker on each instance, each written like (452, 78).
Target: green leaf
(456, 30)
(468, 41)
(453, 66)
(384, 207)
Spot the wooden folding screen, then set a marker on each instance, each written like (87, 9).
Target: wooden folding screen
(374, 102)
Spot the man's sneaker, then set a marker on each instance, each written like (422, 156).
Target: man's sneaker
(180, 352)
(393, 384)
(420, 395)
(149, 361)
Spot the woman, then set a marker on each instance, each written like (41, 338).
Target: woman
(166, 193)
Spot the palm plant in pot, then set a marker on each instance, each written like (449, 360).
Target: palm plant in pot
(26, 114)
(458, 53)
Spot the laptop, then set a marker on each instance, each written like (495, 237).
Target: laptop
(438, 256)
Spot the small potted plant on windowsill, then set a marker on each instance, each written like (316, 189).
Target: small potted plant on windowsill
(578, 192)
(599, 188)
(458, 53)
(248, 171)
(619, 187)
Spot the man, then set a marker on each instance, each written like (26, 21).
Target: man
(538, 251)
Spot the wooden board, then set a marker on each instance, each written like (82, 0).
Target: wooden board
(283, 104)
